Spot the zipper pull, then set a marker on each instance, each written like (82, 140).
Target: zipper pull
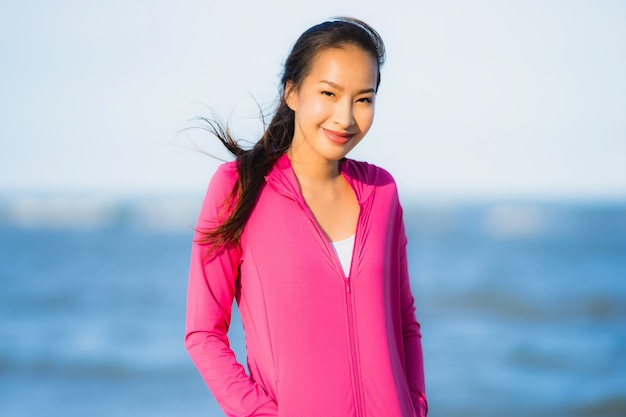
(348, 285)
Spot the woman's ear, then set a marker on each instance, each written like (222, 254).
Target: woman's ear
(290, 96)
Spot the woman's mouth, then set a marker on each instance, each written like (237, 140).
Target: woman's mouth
(338, 137)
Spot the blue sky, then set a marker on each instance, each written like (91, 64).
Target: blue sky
(478, 98)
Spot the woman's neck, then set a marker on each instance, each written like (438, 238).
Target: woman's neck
(328, 195)
(314, 172)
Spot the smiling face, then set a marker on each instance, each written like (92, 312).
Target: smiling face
(334, 105)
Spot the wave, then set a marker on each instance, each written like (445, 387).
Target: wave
(54, 366)
(505, 305)
(96, 212)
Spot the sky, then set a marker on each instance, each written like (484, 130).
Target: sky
(478, 98)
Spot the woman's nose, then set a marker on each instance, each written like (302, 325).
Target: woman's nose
(344, 114)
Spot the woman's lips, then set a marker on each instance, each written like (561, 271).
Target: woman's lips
(338, 137)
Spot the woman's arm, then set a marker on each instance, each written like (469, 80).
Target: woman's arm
(411, 331)
(210, 297)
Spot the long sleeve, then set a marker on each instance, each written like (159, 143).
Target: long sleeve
(411, 333)
(211, 291)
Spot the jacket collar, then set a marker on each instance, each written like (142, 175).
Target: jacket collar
(360, 175)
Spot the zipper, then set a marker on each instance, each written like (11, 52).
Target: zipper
(356, 370)
(357, 383)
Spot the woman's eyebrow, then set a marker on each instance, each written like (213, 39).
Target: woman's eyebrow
(340, 88)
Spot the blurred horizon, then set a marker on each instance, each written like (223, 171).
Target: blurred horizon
(178, 212)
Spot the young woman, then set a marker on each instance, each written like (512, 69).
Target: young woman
(312, 247)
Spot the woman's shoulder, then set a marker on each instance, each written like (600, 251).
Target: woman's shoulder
(227, 169)
(224, 178)
(369, 173)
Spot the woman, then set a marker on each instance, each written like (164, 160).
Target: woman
(312, 247)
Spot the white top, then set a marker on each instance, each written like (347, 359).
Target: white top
(344, 249)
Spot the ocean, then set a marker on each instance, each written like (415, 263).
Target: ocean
(522, 306)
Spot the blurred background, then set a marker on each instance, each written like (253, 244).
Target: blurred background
(504, 124)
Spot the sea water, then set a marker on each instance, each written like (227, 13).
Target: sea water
(522, 306)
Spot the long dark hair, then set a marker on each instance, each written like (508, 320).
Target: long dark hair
(254, 163)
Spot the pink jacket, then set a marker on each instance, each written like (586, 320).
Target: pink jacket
(319, 343)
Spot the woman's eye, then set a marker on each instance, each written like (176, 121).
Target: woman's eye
(327, 93)
(364, 100)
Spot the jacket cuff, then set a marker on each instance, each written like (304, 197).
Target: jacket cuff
(423, 408)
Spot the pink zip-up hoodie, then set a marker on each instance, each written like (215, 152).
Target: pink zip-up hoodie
(319, 343)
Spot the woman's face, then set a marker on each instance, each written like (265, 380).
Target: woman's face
(334, 106)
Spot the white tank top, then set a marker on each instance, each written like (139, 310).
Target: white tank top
(344, 249)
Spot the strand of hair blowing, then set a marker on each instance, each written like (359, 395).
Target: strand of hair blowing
(253, 164)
